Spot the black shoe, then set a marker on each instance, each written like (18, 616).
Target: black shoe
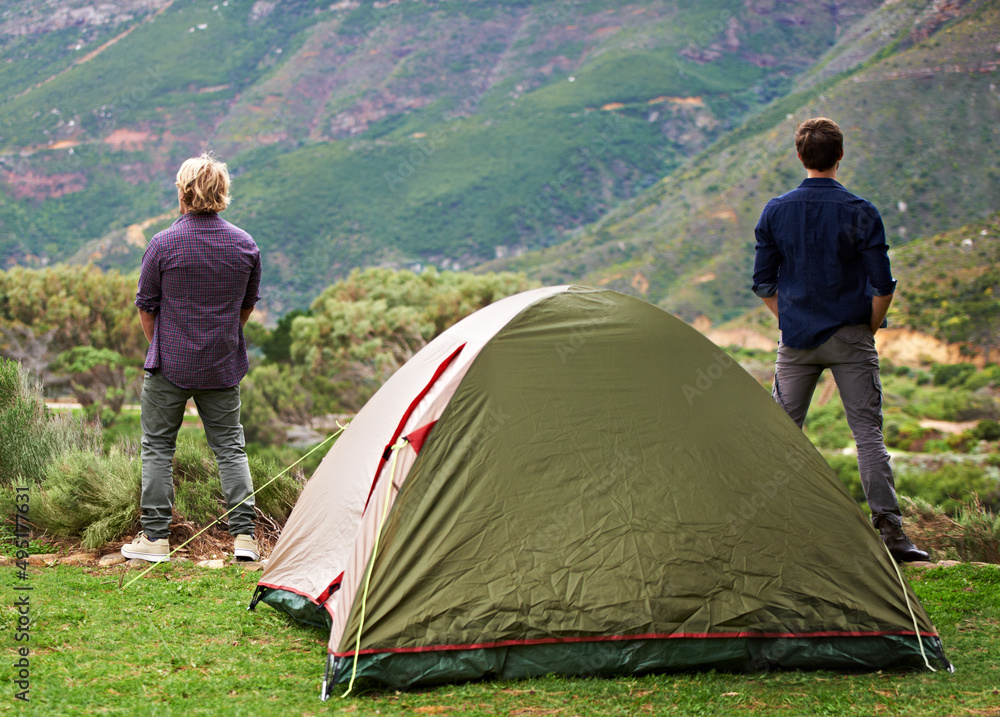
(898, 544)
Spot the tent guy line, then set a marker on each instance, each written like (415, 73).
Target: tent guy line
(368, 577)
(276, 477)
(913, 616)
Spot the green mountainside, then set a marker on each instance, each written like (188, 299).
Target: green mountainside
(401, 133)
(914, 86)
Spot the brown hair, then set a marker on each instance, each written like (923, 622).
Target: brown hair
(820, 143)
(204, 184)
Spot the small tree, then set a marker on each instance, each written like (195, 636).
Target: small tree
(99, 377)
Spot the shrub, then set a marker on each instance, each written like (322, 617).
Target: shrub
(979, 539)
(198, 493)
(952, 375)
(960, 442)
(275, 498)
(982, 379)
(937, 445)
(906, 436)
(29, 436)
(259, 418)
(955, 405)
(950, 485)
(23, 449)
(988, 430)
(971, 535)
(89, 496)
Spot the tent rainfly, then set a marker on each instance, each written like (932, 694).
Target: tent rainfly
(573, 481)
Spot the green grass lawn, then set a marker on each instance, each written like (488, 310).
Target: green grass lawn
(180, 641)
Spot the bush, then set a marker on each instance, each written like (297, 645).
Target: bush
(198, 492)
(952, 375)
(906, 436)
(979, 540)
(89, 496)
(23, 448)
(275, 498)
(988, 430)
(960, 442)
(29, 436)
(982, 379)
(971, 535)
(955, 405)
(949, 486)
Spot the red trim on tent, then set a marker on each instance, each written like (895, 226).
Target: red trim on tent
(614, 638)
(406, 415)
(325, 595)
(417, 438)
(310, 598)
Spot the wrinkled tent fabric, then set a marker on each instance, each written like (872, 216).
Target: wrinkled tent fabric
(601, 490)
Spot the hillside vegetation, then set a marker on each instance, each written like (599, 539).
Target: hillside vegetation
(922, 142)
(360, 133)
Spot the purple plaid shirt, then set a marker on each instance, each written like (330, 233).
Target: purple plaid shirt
(196, 277)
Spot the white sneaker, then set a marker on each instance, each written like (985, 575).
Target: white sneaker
(142, 548)
(245, 546)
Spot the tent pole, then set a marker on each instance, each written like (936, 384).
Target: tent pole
(324, 692)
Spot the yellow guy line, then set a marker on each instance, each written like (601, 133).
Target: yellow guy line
(181, 546)
(371, 563)
(909, 607)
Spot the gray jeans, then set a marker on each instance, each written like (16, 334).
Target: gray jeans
(850, 354)
(162, 412)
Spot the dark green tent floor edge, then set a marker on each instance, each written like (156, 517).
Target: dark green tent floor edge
(633, 657)
(297, 606)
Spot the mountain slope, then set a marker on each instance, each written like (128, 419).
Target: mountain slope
(360, 133)
(922, 142)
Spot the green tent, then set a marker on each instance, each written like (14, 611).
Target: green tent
(573, 481)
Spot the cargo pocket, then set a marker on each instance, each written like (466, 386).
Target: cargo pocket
(776, 392)
(873, 402)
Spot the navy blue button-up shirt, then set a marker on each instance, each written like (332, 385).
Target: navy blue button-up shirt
(823, 250)
(196, 277)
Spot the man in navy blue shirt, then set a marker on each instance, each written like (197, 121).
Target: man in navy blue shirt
(822, 268)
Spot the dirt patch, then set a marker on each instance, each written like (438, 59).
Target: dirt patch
(126, 139)
(950, 427)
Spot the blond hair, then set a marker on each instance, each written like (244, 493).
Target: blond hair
(204, 184)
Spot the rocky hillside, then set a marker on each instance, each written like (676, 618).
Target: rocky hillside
(915, 87)
(402, 132)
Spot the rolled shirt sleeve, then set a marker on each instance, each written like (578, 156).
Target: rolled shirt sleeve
(252, 295)
(767, 260)
(875, 256)
(148, 295)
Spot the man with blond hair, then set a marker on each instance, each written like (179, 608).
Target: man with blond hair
(822, 268)
(197, 289)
